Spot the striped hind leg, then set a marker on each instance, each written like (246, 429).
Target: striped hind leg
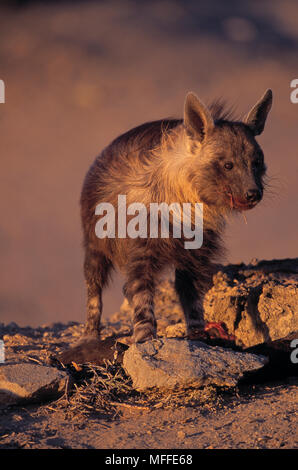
(96, 270)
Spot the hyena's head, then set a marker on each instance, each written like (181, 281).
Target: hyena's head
(228, 163)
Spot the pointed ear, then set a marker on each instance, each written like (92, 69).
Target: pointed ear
(257, 116)
(197, 118)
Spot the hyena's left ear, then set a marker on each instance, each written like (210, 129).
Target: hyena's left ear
(257, 116)
(197, 118)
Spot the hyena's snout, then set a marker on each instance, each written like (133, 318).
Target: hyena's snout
(253, 196)
(246, 199)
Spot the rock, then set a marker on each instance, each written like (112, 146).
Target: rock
(171, 363)
(30, 383)
(257, 302)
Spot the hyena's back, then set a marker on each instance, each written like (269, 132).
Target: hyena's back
(119, 169)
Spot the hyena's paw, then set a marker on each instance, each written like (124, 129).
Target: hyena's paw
(196, 330)
(144, 332)
(197, 334)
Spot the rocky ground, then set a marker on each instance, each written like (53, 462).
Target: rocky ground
(101, 409)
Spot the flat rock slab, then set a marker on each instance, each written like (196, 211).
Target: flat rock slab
(171, 363)
(23, 383)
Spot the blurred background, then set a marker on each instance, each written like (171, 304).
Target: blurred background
(78, 73)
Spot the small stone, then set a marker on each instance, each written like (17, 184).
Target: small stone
(17, 418)
(24, 383)
(176, 331)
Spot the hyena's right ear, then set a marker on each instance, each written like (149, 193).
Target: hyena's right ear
(197, 118)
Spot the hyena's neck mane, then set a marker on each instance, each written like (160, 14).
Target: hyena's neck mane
(171, 166)
(173, 162)
(174, 152)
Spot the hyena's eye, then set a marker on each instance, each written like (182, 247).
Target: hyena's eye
(228, 165)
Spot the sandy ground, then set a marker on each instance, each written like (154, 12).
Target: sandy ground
(243, 424)
(251, 416)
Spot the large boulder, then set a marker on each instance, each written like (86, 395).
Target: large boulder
(257, 302)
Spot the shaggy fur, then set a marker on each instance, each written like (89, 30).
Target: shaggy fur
(206, 157)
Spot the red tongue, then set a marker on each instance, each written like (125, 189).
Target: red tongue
(235, 202)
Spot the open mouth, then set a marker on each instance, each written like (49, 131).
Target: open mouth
(244, 206)
(239, 204)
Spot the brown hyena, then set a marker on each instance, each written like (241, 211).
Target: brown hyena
(206, 157)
